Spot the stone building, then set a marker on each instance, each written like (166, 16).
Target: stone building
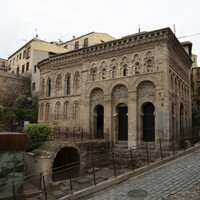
(132, 90)
(24, 60)
(196, 79)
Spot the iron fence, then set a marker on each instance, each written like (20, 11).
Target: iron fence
(100, 168)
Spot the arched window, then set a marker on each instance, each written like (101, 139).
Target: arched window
(76, 110)
(182, 120)
(175, 85)
(47, 112)
(76, 83)
(137, 68)
(125, 70)
(94, 74)
(58, 84)
(48, 87)
(114, 72)
(42, 88)
(41, 111)
(57, 111)
(66, 110)
(149, 66)
(103, 73)
(172, 83)
(67, 83)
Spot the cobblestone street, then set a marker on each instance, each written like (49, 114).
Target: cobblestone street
(175, 177)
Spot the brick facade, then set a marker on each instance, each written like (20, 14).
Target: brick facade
(138, 86)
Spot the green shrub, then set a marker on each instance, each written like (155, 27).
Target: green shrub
(37, 134)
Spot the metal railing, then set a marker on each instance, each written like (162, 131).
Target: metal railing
(96, 166)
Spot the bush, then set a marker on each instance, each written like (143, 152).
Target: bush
(37, 134)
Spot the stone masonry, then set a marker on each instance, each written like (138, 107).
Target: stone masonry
(12, 86)
(133, 90)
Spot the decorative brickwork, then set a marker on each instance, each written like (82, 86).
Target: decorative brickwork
(121, 82)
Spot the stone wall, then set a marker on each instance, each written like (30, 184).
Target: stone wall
(11, 87)
(41, 160)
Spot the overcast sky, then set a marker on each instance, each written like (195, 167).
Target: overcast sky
(61, 19)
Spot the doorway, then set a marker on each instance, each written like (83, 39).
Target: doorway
(100, 122)
(66, 164)
(122, 123)
(182, 120)
(148, 123)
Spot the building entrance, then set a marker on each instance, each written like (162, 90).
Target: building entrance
(100, 122)
(66, 164)
(122, 123)
(148, 123)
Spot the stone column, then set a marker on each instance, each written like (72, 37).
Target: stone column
(132, 119)
(108, 117)
(85, 114)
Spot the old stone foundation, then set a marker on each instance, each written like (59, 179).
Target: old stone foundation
(60, 160)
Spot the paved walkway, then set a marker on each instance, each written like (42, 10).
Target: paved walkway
(175, 177)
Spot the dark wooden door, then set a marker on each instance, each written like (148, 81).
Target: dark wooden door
(100, 122)
(148, 123)
(122, 123)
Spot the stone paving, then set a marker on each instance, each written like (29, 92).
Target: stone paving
(174, 178)
(63, 188)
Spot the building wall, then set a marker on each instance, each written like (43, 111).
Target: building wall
(35, 79)
(36, 46)
(194, 59)
(132, 72)
(20, 60)
(22, 57)
(93, 38)
(195, 77)
(3, 64)
(12, 86)
(196, 81)
(46, 46)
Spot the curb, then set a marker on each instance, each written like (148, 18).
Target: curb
(124, 177)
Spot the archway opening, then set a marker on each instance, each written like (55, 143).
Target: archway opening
(66, 164)
(148, 123)
(100, 122)
(182, 120)
(122, 122)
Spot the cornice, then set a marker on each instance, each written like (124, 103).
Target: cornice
(122, 44)
(178, 48)
(126, 42)
(111, 46)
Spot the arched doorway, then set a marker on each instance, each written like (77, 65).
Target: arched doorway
(66, 164)
(100, 122)
(122, 122)
(182, 120)
(148, 123)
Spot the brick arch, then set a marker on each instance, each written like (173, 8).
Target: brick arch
(118, 82)
(58, 148)
(149, 78)
(94, 86)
